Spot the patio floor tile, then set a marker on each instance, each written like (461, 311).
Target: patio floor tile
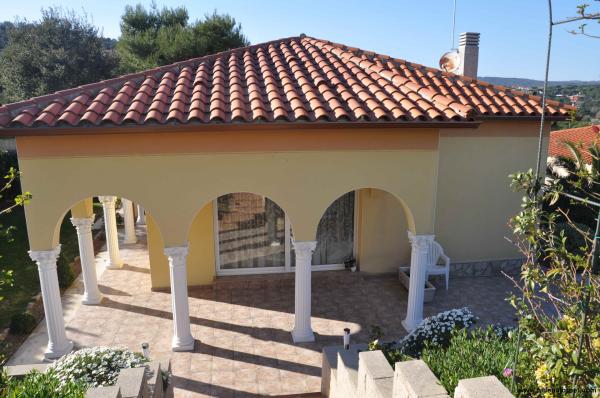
(244, 347)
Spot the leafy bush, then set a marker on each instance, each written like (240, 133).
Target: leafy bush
(558, 288)
(22, 323)
(97, 366)
(42, 385)
(554, 357)
(66, 276)
(435, 330)
(470, 354)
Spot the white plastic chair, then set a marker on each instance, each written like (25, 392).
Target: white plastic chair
(433, 267)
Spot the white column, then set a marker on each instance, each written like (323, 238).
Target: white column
(112, 236)
(302, 325)
(91, 295)
(141, 215)
(58, 344)
(182, 336)
(420, 245)
(129, 222)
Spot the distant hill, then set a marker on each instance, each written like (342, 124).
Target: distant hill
(518, 82)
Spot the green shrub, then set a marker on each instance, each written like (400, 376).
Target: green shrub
(42, 385)
(22, 323)
(470, 354)
(66, 276)
(435, 330)
(96, 366)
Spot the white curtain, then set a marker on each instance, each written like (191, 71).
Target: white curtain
(335, 234)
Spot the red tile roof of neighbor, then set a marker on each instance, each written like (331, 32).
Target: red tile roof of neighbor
(287, 80)
(584, 136)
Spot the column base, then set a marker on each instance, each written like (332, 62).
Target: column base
(130, 241)
(114, 265)
(410, 324)
(179, 345)
(92, 300)
(56, 352)
(304, 336)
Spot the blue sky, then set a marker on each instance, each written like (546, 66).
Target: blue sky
(513, 32)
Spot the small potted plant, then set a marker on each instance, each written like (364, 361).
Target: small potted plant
(350, 264)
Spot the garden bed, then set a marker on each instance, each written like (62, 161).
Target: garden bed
(404, 278)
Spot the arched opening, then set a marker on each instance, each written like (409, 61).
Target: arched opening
(251, 234)
(336, 234)
(367, 228)
(103, 232)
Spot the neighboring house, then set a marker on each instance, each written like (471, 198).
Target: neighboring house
(581, 136)
(276, 157)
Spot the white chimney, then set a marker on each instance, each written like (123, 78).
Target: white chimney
(468, 49)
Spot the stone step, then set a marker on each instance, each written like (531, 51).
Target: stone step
(19, 371)
(132, 383)
(104, 392)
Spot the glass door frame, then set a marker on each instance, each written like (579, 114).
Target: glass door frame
(288, 267)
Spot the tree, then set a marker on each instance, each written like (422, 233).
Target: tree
(62, 50)
(4, 27)
(559, 305)
(584, 14)
(151, 38)
(10, 197)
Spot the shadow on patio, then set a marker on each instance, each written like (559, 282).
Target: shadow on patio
(242, 325)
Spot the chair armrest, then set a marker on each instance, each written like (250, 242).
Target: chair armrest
(446, 259)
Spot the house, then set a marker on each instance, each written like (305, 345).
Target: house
(582, 136)
(295, 155)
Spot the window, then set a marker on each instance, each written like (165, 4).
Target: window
(253, 235)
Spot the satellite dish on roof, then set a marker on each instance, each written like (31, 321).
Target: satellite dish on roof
(450, 61)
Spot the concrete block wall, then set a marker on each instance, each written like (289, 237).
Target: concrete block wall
(143, 382)
(358, 373)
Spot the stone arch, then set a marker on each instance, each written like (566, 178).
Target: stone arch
(380, 221)
(406, 209)
(62, 211)
(199, 231)
(209, 203)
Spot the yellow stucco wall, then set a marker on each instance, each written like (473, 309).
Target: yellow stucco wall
(474, 199)
(83, 209)
(382, 232)
(450, 182)
(201, 257)
(174, 186)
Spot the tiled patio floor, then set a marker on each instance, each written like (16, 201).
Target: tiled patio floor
(244, 346)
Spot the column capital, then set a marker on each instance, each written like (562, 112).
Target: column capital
(305, 246)
(83, 222)
(176, 254)
(45, 259)
(108, 200)
(420, 241)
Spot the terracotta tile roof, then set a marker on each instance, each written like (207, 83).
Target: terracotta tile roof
(584, 136)
(287, 80)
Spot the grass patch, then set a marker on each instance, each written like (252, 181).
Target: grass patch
(470, 354)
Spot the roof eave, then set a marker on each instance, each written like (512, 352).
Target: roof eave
(199, 127)
(550, 118)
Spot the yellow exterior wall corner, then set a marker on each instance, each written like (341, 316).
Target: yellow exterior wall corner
(201, 256)
(83, 209)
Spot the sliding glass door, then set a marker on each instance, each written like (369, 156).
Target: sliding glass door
(250, 232)
(252, 235)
